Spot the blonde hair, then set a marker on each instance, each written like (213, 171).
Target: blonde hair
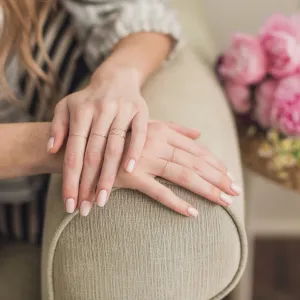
(22, 27)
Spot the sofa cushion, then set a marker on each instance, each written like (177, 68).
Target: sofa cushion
(137, 249)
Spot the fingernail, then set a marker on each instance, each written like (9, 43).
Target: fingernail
(70, 205)
(230, 175)
(130, 166)
(102, 198)
(225, 198)
(193, 212)
(236, 188)
(50, 144)
(85, 208)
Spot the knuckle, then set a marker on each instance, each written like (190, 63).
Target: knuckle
(92, 158)
(224, 181)
(80, 110)
(114, 151)
(141, 130)
(215, 193)
(184, 176)
(87, 190)
(71, 161)
(159, 194)
(107, 180)
(153, 146)
(58, 107)
(198, 166)
(108, 106)
(126, 109)
(160, 128)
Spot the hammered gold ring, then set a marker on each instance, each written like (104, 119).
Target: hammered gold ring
(119, 134)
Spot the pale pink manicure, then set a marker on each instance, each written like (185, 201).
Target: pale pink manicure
(70, 205)
(102, 198)
(226, 198)
(193, 212)
(50, 144)
(236, 188)
(130, 166)
(85, 208)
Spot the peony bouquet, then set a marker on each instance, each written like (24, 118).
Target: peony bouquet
(261, 74)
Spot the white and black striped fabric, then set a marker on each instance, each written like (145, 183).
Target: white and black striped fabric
(22, 200)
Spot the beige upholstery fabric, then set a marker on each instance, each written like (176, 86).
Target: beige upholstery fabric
(19, 272)
(195, 29)
(138, 249)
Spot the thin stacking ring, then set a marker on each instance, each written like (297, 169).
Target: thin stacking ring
(172, 160)
(102, 135)
(173, 155)
(121, 135)
(118, 129)
(79, 135)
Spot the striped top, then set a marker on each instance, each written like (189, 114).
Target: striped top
(22, 200)
(100, 24)
(78, 36)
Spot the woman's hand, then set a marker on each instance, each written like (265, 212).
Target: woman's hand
(171, 152)
(96, 120)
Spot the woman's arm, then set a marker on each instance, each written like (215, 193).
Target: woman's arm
(23, 152)
(106, 26)
(137, 53)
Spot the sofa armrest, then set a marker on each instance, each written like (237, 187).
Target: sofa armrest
(137, 249)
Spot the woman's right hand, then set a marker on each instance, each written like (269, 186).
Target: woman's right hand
(171, 152)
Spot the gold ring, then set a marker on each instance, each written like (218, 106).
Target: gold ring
(79, 135)
(121, 135)
(173, 156)
(102, 135)
(172, 160)
(165, 169)
(118, 129)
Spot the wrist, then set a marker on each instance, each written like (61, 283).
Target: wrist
(110, 70)
(40, 161)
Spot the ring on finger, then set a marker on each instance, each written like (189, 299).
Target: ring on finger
(171, 160)
(98, 134)
(118, 129)
(173, 155)
(119, 134)
(115, 132)
(79, 135)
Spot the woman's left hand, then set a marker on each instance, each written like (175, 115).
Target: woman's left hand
(96, 120)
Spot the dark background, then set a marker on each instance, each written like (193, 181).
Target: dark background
(277, 269)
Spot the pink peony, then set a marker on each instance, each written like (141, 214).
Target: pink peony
(244, 62)
(239, 97)
(280, 39)
(264, 98)
(285, 115)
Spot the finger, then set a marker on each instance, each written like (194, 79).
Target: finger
(80, 123)
(93, 160)
(188, 179)
(165, 196)
(189, 132)
(59, 127)
(112, 157)
(137, 141)
(200, 166)
(186, 144)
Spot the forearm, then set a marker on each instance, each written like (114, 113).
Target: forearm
(23, 150)
(142, 52)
